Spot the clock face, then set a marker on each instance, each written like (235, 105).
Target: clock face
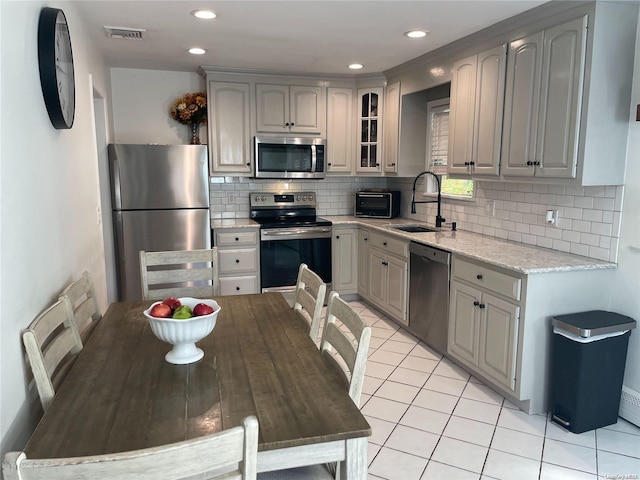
(55, 59)
(64, 69)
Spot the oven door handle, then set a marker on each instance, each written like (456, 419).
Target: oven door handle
(295, 233)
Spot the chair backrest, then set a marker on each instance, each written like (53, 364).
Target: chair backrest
(309, 299)
(181, 273)
(84, 303)
(230, 454)
(49, 341)
(345, 346)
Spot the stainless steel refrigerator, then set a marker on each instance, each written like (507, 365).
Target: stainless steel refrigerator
(160, 198)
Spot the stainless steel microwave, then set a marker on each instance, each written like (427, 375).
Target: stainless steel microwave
(289, 157)
(377, 203)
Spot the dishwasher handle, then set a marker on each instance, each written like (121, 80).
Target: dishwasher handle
(430, 253)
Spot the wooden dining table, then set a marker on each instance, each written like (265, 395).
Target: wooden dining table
(122, 395)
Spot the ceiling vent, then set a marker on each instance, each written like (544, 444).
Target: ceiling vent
(125, 33)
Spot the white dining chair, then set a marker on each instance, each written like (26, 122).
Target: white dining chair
(344, 344)
(230, 454)
(51, 341)
(309, 299)
(181, 273)
(86, 311)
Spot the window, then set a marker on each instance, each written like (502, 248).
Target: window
(437, 146)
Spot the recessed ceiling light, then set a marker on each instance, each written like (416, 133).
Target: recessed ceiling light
(416, 33)
(197, 51)
(204, 14)
(355, 66)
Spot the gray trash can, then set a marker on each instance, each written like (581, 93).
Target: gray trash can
(589, 353)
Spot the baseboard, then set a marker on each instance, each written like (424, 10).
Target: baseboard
(630, 405)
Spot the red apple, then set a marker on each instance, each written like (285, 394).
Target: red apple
(202, 309)
(172, 303)
(160, 311)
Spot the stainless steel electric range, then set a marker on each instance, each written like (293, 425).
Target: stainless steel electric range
(290, 234)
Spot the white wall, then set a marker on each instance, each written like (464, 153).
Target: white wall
(626, 298)
(141, 102)
(49, 233)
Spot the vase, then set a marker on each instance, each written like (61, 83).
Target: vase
(195, 139)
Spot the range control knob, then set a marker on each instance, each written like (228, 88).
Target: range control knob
(264, 199)
(257, 199)
(304, 197)
(310, 198)
(298, 198)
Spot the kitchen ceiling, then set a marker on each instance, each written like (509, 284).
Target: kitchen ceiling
(286, 36)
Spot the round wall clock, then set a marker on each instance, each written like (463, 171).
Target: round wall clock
(55, 59)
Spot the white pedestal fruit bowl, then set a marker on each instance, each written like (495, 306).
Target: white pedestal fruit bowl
(184, 333)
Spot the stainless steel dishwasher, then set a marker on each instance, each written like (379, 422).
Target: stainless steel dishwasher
(429, 294)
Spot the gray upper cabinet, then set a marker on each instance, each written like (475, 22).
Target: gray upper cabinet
(391, 127)
(475, 123)
(229, 128)
(290, 109)
(543, 100)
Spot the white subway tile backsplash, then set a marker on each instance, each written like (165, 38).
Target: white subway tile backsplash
(592, 215)
(604, 203)
(601, 228)
(589, 222)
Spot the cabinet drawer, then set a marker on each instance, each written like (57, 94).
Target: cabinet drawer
(231, 239)
(238, 285)
(389, 244)
(238, 260)
(498, 282)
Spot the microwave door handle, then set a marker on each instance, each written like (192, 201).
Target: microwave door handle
(372, 195)
(313, 158)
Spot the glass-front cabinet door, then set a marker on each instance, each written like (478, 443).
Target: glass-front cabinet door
(369, 130)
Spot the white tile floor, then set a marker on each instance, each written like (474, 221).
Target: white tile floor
(432, 420)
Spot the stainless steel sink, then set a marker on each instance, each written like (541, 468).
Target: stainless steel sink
(413, 228)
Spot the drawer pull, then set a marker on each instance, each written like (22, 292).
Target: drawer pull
(479, 276)
(237, 260)
(237, 289)
(385, 263)
(384, 243)
(237, 239)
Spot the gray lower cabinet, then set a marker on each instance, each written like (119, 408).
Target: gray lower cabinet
(500, 323)
(388, 267)
(238, 260)
(344, 246)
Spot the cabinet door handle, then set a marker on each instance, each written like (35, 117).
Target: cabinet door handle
(393, 164)
(479, 276)
(466, 164)
(384, 243)
(482, 305)
(476, 303)
(292, 124)
(385, 263)
(237, 260)
(529, 162)
(337, 237)
(365, 239)
(248, 164)
(286, 124)
(237, 239)
(537, 164)
(472, 163)
(328, 164)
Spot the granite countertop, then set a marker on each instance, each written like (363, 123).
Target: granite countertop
(510, 255)
(234, 223)
(514, 256)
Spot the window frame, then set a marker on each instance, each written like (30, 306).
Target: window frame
(430, 190)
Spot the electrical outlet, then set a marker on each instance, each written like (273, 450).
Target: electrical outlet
(231, 197)
(490, 209)
(99, 215)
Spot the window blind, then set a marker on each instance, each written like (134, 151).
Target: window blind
(439, 136)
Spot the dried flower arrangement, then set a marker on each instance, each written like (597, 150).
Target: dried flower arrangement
(190, 109)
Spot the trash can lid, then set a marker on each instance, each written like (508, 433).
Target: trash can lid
(594, 322)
